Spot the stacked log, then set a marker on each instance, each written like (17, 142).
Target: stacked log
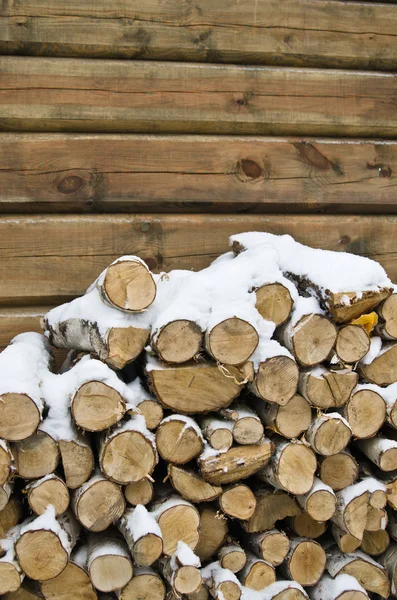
(252, 447)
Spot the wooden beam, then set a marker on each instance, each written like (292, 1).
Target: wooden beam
(51, 259)
(144, 173)
(126, 96)
(305, 33)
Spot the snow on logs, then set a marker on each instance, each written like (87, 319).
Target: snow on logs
(257, 432)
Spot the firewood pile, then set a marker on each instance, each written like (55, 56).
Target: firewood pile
(228, 433)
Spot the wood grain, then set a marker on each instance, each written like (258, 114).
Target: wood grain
(305, 33)
(47, 94)
(51, 259)
(138, 173)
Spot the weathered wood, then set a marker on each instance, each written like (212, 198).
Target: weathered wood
(338, 34)
(79, 172)
(145, 96)
(40, 256)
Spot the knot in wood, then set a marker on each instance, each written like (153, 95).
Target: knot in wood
(70, 184)
(250, 168)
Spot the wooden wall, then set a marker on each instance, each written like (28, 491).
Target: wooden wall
(160, 127)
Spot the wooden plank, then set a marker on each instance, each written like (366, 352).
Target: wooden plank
(51, 259)
(138, 173)
(97, 96)
(304, 33)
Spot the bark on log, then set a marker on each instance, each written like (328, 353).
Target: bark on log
(127, 284)
(345, 540)
(152, 410)
(98, 503)
(383, 369)
(221, 583)
(11, 575)
(291, 468)
(142, 534)
(146, 584)
(237, 463)
(182, 571)
(319, 502)
(305, 562)
(36, 456)
(77, 460)
(365, 412)
(328, 434)
(44, 544)
(6, 462)
(376, 519)
(191, 486)
(257, 573)
(232, 557)
(29, 590)
(74, 581)
(351, 509)
(352, 343)
(274, 303)
(246, 425)
(389, 561)
(231, 341)
(5, 494)
(178, 341)
(212, 533)
(387, 311)
(217, 431)
(48, 490)
(324, 388)
(339, 470)
(343, 587)
(178, 520)
(140, 492)
(237, 501)
(289, 420)
(370, 574)
(10, 516)
(179, 439)
(109, 563)
(271, 506)
(381, 451)
(272, 546)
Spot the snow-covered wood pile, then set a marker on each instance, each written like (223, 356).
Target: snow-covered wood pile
(230, 433)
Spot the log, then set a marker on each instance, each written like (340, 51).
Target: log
(98, 503)
(77, 460)
(73, 582)
(324, 388)
(182, 570)
(237, 463)
(310, 338)
(375, 543)
(140, 492)
(271, 506)
(212, 533)
(381, 451)
(178, 341)
(108, 562)
(128, 452)
(217, 431)
(339, 470)
(303, 525)
(48, 490)
(127, 284)
(319, 502)
(370, 574)
(387, 325)
(192, 388)
(286, 590)
(328, 434)
(377, 492)
(178, 520)
(376, 519)
(272, 545)
(29, 590)
(343, 587)
(231, 341)
(257, 573)
(305, 562)
(11, 575)
(351, 509)
(232, 557)
(352, 343)
(201, 594)
(191, 486)
(221, 583)
(21, 403)
(36, 456)
(291, 468)
(96, 406)
(44, 544)
(10, 516)
(5, 494)
(237, 501)
(345, 540)
(152, 410)
(389, 561)
(276, 378)
(146, 584)
(386, 479)
(142, 534)
(365, 412)
(246, 425)
(6, 462)
(382, 370)
(274, 302)
(179, 439)
(289, 420)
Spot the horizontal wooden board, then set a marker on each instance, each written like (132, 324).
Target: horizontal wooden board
(143, 173)
(47, 94)
(51, 259)
(300, 33)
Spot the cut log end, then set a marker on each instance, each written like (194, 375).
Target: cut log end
(271, 506)
(5, 463)
(73, 581)
(329, 434)
(388, 313)
(110, 572)
(191, 486)
(129, 285)
(294, 418)
(51, 491)
(140, 492)
(259, 576)
(358, 304)
(321, 505)
(178, 341)
(305, 526)
(125, 344)
(273, 547)
(177, 441)
(100, 505)
(36, 456)
(10, 579)
(383, 369)
(238, 502)
(307, 562)
(77, 462)
(237, 463)
(19, 417)
(274, 303)
(127, 456)
(295, 468)
(232, 341)
(147, 550)
(41, 554)
(371, 577)
(375, 543)
(277, 380)
(144, 586)
(187, 580)
(179, 523)
(212, 534)
(153, 413)
(248, 430)
(313, 339)
(232, 558)
(96, 406)
(352, 343)
(228, 590)
(366, 413)
(338, 471)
